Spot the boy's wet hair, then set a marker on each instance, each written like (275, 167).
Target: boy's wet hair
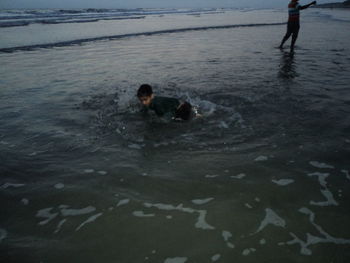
(184, 111)
(144, 90)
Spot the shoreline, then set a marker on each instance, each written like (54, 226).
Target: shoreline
(339, 5)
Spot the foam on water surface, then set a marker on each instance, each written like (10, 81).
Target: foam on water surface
(59, 226)
(123, 202)
(142, 214)
(311, 239)
(321, 165)
(202, 201)
(176, 260)
(3, 234)
(211, 175)
(215, 258)
(271, 218)
(283, 182)
(248, 205)
(227, 236)
(325, 191)
(46, 213)
(89, 220)
(9, 185)
(135, 146)
(248, 251)
(201, 221)
(261, 158)
(59, 186)
(77, 212)
(25, 201)
(262, 241)
(238, 176)
(64, 211)
(346, 172)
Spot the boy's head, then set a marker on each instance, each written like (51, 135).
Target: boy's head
(145, 94)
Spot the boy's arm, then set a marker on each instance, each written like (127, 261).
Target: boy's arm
(308, 5)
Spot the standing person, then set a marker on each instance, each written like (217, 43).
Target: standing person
(293, 24)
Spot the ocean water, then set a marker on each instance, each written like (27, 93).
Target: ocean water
(262, 176)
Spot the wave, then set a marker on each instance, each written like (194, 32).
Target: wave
(63, 21)
(115, 37)
(15, 18)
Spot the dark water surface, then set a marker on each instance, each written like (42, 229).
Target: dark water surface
(263, 176)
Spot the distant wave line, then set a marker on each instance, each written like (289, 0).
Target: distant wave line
(115, 37)
(63, 20)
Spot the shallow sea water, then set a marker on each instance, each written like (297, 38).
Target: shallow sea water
(263, 176)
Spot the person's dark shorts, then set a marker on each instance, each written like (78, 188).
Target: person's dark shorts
(184, 111)
(293, 27)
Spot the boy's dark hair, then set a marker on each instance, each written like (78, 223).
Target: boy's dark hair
(184, 111)
(144, 90)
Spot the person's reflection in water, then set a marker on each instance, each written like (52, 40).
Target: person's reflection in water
(287, 67)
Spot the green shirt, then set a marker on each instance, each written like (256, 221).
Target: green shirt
(164, 106)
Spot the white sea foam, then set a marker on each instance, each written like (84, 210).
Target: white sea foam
(89, 171)
(59, 186)
(227, 235)
(223, 124)
(311, 239)
(135, 146)
(77, 212)
(283, 182)
(261, 158)
(248, 205)
(123, 202)
(202, 201)
(46, 213)
(176, 260)
(59, 226)
(271, 218)
(346, 172)
(25, 201)
(7, 185)
(247, 251)
(230, 245)
(321, 165)
(102, 172)
(3, 234)
(201, 222)
(239, 176)
(211, 176)
(262, 241)
(325, 191)
(215, 258)
(89, 220)
(142, 214)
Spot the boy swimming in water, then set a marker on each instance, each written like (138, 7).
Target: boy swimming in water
(168, 108)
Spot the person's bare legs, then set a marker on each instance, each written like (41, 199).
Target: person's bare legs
(285, 38)
(294, 39)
